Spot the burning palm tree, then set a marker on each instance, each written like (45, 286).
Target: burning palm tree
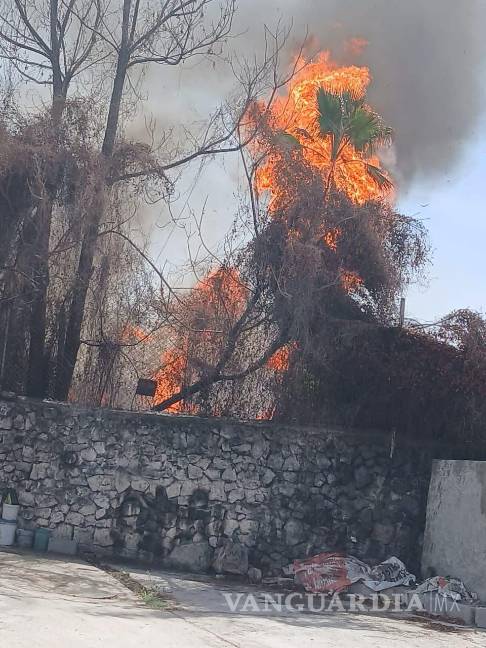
(348, 122)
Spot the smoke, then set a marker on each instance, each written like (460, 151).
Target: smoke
(424, 57)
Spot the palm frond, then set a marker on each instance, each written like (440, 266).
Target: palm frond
(378, 177)
(366, 130)
(350, 102)
(329, 113)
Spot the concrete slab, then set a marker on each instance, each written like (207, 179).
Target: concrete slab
(24, 574)
(48, 601)
(445, 607)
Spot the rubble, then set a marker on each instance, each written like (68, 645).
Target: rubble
(446, 586)
(334, 572)
(344, 575)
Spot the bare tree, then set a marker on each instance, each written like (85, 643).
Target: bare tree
(178, 31)
(48, 45)
(51, 43)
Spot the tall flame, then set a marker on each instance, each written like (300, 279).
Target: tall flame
(171, 377)
(296, 114)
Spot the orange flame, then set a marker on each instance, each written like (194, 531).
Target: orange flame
(170, 377)
(132, 333)
(350, 281)
(331, 238)
(279, 361)
(296, 114)
(217, 298)
(221, 288)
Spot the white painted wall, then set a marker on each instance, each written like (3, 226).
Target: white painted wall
(455, 533)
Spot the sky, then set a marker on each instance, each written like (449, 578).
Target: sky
(427, 61)
(454, 210)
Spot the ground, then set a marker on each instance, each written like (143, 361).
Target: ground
(62, 602)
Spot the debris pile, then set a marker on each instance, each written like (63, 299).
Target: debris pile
(448, 587)
(337, 573)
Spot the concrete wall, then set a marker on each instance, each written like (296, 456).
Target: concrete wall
(146, 486)
(455, 533)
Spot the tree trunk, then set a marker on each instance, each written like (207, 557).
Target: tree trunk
(88, 247)
(38, 369)
(67, 359)
(37, 373)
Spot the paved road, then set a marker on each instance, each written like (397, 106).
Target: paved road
(60, 603)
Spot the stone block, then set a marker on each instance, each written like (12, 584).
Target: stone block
(122, 481)
(231, 558)
(140, 484)
(76, 519)
(294, 532)
(255, 575)
(192, 557)
(100, 483)
(217, 492)
(268, 477)
(57, 517)
(230, 527)
(89, 454)
(228, 475)
(194, 472)
(102, 537)
(236, 495)
(26, 499)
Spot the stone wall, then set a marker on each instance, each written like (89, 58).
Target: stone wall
(173, 489)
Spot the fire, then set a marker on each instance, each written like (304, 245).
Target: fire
(266, 415)
(331, 237)
(170, 377)
(295, 114)
(350, 281)
(291, 129)
(221, 288)
(280, 360)
(132, 333)
(214, 304)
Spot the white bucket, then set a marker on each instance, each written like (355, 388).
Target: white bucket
(7, 533)
(10, 512)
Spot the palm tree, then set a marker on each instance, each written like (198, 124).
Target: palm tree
(347, 120)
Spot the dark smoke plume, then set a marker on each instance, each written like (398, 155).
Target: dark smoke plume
(424, 57)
